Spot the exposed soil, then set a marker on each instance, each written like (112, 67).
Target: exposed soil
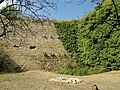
(39, 80)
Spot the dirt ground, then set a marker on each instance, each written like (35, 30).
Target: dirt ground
(39, 80)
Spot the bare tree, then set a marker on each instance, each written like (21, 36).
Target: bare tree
(31, 8)
(10, 16)
(80, 2)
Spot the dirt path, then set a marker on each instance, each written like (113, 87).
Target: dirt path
(39, 80)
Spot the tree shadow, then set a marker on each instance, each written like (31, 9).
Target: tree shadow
(7, 65)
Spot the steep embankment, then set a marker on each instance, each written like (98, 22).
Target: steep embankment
(37, 48)
(93, 41)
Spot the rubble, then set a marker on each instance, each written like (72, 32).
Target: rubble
(66, 80)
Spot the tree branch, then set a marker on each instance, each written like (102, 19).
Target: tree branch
(1, 1)
(26, 8)
(116, 10)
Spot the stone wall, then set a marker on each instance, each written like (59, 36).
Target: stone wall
(36, 48)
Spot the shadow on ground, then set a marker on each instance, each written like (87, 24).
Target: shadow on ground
(7, 65)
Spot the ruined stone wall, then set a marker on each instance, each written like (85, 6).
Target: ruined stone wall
(37, 48)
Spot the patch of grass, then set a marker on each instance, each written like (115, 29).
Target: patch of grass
(5, 77)
(97, 70)
(78, 70)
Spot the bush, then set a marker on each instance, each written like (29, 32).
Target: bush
(67, 31)
(93, 41)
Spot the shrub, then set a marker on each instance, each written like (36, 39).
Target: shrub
(93, 41)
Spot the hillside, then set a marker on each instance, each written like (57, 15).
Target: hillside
(37, 48)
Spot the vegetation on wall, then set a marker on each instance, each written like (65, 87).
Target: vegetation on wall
(93, 41)
(67, 31)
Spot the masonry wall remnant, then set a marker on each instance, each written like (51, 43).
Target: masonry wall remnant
(37, 48)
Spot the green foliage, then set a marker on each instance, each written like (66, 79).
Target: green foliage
(67, 31)
(93, 41)
(10, 11)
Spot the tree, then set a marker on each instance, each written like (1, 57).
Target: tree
(33, 8)
(114, 3)
(10, 12)
(26, 8)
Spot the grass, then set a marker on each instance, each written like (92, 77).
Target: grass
(39, 80)
(5, 77)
